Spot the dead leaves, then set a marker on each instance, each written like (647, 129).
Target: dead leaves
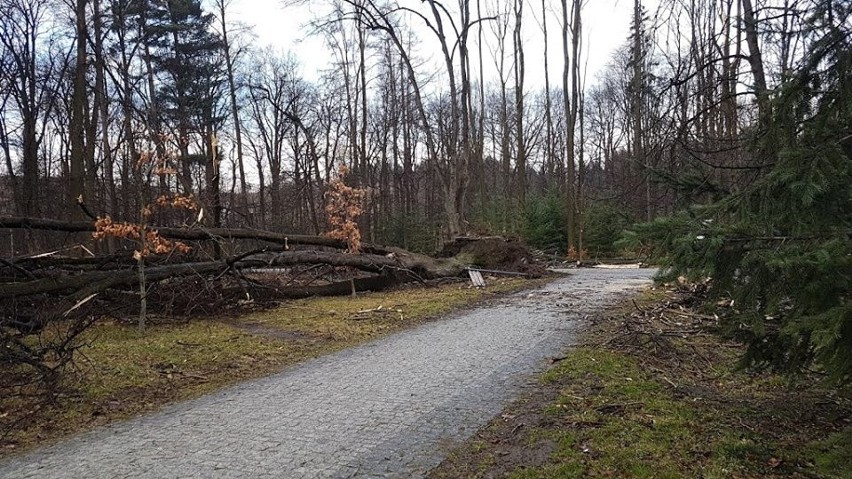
(344, 205)
(153, 243)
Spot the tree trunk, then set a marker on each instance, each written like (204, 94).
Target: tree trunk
(755, 60)
(637, 83)
(521, 154)
(235, 111)
(78, 109)
(569, 131)
(548, 107)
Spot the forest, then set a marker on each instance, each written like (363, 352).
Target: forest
(718, 140)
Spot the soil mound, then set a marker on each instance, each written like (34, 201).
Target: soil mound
(494, 252)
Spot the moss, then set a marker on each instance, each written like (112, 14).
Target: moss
(639, 430)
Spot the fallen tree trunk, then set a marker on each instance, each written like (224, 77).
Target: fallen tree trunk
(194, 233)
(418, 266)
(339, 288)
(79, 278)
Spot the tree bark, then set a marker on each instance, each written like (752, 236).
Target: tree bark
(755, 60)
(188, 234)
(569, 130)
(521, 154)
(78, 108)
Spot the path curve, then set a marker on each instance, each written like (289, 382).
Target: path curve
(391, 408)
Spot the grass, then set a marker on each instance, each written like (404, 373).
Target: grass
(639, 430)
(123, 372)
(617, 407)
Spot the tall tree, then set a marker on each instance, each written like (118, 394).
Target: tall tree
(568, 109)
(230, 59)
(79, 107)
(637, 89)
(519, 70)
(189, 94)
(31, 72)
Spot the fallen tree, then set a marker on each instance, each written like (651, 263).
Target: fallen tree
(410, 265)
(57, 296)
(195, 233)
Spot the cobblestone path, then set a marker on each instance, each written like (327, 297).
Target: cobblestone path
(390, 408)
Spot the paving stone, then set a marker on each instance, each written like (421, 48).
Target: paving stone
(392, 408)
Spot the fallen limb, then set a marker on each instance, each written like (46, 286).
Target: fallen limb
(95, 281)
(194, 233)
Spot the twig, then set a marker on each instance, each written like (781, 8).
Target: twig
(79, 304)
(19, 269)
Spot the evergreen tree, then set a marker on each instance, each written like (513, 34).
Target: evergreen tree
(782, 248)
(187, 57)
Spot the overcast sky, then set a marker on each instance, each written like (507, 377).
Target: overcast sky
(606, 26)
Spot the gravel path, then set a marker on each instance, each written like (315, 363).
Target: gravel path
(390, 408)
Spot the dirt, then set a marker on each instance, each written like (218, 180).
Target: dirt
(496, 253)
(268, 331)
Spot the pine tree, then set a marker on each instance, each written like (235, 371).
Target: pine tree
(782, 248)
(187, 55)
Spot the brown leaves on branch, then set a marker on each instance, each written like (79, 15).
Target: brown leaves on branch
(177, 202)
(153, 244)
(159, 164)
(344, 205)
(150, 241)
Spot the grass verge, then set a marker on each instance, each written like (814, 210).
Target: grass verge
(653, 394)
(123, 372)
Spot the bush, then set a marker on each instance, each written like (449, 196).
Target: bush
(545, 225)
(603, 224)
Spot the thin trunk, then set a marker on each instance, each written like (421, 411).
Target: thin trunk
(521, 153)
(93, 117)
(755, 60)
(577, 35)
(481, 128)
(111, 200)
(78, 109)
(637, 98)
(569, 133)
(548, 144)
(131, 154)
(235, 111)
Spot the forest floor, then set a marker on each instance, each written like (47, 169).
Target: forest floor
(123, 372)
(652, 392)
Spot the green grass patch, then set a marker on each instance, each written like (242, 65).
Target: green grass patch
(629, 425)
(615, 419)
(832, 456)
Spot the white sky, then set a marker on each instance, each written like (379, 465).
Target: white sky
(606, 25)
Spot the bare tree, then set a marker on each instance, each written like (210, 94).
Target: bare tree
(519, 66)
(230, 59)
(32, 65)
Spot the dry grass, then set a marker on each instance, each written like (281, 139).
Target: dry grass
(123, 372)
